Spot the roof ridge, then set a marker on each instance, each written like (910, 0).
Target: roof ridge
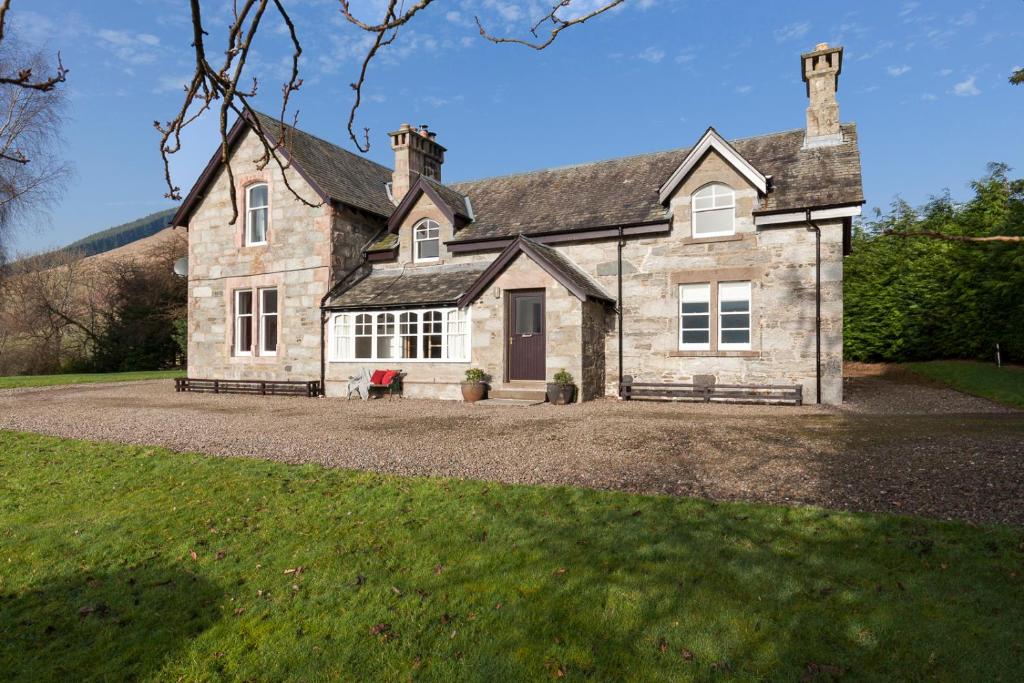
(623, 158)
(323, 140)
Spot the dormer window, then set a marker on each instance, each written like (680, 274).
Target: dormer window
(256, 202)
(426, 241)
(714, 211)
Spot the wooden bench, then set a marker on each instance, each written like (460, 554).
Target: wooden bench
(714, 393)
(248, 386)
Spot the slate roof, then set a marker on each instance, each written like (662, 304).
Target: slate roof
(455, 200)
(571, 273)
(418, 286)
(625, 191)
(553, 262)
(345, 177)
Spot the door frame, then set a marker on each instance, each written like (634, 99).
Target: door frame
(506, 370)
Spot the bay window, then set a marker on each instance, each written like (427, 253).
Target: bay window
(440, 335)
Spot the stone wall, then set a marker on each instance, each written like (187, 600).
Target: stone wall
(298, 259)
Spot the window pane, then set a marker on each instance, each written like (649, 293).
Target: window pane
(696, 293)
(529, 315)
(735, 320)
(703, 201)
(364, 347)
(427, 249)
(257, 196)
(735, 306)
(257, 225)
(699, 307)
(718, 220)
(410, 349)
(244, 305)
(696, 336)
(269, 300)
(696, 322)
(385, 335)
(270, 333)
(432, 346)
(735, 336)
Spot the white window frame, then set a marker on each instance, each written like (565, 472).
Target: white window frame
(718, 192)
(722, 346)
(236, 349)
(706, 287)
(454, 324)
(263, 321)
(250, 209)
(426, 224)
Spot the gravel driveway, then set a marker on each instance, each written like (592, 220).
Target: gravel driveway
(895, 446)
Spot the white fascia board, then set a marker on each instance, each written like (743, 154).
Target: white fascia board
(801, 216)
(712, 140)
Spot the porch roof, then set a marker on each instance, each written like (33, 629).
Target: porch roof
(421, 286)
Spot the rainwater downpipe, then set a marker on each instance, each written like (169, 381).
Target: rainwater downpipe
(323, 310)
(813, 227)
(621, 244)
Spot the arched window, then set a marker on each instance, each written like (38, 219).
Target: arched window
(714, 211)
(426, 241)
(256, 202)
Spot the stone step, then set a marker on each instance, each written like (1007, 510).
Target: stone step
(521, 393)
(508, 403)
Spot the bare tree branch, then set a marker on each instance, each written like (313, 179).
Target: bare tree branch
(25, 76)
(209, 85)
(557, 25)
(221, 85)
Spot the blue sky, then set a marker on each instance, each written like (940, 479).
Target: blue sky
(926, 82)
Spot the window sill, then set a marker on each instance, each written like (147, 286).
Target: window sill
(735, 237)
(714, 354)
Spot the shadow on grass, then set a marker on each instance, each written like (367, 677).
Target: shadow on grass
(110, 626)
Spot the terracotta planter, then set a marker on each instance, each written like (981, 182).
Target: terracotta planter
(561, 394)
(473, 391)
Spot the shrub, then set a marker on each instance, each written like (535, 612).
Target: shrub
(475, 375)
(563, 377)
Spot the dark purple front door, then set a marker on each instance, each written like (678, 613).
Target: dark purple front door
(526, 359)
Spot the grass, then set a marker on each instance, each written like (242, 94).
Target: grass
(1005, 384)
(138, 563)
(19, 381)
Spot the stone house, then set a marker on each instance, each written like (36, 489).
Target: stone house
(709, 262)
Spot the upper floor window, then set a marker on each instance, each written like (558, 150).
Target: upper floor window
(426, 241)
(256, 202)
(714, 211)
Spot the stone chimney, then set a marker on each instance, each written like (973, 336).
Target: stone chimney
(416, 153)
(821, 69)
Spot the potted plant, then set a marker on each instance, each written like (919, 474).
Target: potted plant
(562, 390)
(475, 386)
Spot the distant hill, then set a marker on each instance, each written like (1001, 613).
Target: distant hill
(120, 235)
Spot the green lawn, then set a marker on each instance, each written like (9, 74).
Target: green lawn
(18, 381)
(129, 562)
(1005, 384)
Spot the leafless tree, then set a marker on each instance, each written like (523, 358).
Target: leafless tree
(227, 88)
(32, 172)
